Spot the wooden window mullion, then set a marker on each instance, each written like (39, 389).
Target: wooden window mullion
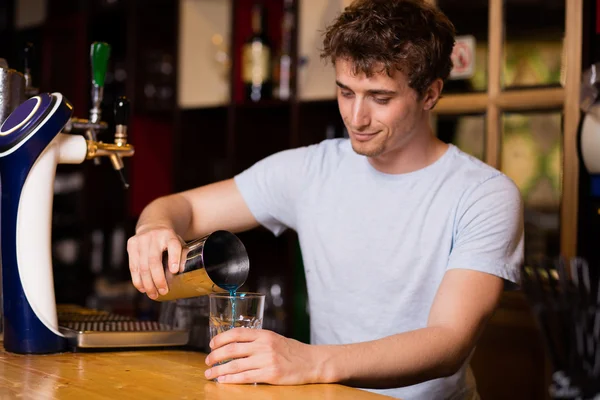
(493, 115)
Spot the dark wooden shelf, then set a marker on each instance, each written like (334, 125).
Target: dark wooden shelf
(262, 104)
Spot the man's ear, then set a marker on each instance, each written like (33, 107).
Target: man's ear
(432, 94)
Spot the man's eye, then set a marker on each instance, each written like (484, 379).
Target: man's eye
(347, 94)
(380, 100)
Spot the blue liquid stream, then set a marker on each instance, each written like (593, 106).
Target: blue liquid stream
(232, 294)
(232, 291)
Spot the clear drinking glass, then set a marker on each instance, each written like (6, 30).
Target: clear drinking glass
(243, 310)
(240, 310)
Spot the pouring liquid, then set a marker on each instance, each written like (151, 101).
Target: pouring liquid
(233, 318)
(232, 292)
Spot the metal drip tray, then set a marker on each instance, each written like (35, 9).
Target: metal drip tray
(86, 328)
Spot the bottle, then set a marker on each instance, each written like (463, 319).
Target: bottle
(256, 59)
(282, 75)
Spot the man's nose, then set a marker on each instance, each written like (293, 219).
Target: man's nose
(360, 115)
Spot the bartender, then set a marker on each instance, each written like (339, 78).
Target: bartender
(408, 242)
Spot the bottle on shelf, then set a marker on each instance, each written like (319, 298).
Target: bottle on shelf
(282, 71)
(256, 59)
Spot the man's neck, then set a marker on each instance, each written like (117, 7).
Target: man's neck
(419, 152)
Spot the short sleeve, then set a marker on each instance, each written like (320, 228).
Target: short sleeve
(272, 187)
(489, 233)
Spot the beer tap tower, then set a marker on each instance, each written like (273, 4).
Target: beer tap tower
(36, 137)
(100, 53)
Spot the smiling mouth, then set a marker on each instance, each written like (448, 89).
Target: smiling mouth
(364, 136)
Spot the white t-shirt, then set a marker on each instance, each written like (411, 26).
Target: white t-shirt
(376, 246)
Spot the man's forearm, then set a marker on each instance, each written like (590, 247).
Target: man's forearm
(172, 211)
(394, 361)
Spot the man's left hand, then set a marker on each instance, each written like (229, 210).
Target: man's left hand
(261, 356)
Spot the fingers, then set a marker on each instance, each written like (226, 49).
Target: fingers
(251, 361)
(174, 250)
(238, 370)
(251, 376)
(146, 259)
(144, 268)
(134, 262)
(155, 257)
(228, 352)
(236, 335)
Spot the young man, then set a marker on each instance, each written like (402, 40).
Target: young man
(407, 241)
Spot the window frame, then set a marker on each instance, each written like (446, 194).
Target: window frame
(497, 101)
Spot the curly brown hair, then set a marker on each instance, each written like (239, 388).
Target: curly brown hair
(409, 35)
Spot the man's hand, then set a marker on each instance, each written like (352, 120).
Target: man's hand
(145, 258)
(464, 302)
(261, 356)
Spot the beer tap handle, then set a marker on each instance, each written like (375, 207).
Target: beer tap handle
(121, 119)
(99, 54)
(121, 122)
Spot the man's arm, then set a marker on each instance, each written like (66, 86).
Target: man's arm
(464, 302)
(169, 220)
(200, 211)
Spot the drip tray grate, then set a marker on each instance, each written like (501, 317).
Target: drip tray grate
(117, 326)
(86, 328)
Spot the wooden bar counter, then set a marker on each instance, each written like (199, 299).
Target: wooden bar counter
(140, 374)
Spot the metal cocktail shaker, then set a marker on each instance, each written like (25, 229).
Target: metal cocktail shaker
(217, 262)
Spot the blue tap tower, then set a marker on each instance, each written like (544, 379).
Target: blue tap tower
(34, 139)
(31, 146)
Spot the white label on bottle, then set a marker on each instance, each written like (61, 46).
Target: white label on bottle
(255, 66)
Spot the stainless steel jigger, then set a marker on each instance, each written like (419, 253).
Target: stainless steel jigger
(217, 262)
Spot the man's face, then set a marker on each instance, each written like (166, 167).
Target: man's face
(381, 113)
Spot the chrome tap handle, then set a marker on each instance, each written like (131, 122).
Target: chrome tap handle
(121, 120)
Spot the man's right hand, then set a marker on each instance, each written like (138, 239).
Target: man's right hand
(185, 213)
(145, 251)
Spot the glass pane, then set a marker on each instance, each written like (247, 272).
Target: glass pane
(532, 150)
(467, 132)
(471, 45)
(534, 32)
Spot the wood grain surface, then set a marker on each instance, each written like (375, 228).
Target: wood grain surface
(146, 374)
